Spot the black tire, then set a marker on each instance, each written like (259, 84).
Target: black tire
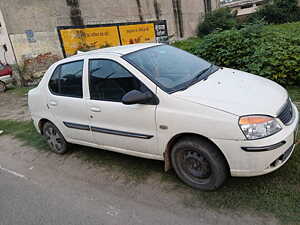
(2, 87)
(199, 163)
(55, 139)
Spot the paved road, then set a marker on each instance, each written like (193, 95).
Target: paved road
(22, 202)
(26, 203)
(42, 188)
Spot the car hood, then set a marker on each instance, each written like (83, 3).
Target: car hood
(237, 92)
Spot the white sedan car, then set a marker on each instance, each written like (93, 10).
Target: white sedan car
(159, 102)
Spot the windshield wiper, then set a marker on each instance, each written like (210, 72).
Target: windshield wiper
(197, 78)
(203, 72)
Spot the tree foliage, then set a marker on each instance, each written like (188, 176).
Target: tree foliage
(220, 19)
(279, 11)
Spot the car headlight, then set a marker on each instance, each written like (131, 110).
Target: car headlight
(255, 127)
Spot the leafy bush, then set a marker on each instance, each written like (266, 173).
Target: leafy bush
(189, 44)
(220, 19)
(279, 11)
(271, 51)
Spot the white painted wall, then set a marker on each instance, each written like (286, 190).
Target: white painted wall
(4, 39)
(44, 42)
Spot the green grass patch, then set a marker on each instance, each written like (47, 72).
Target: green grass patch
(25, 132)
(19, 91)
(134, 168)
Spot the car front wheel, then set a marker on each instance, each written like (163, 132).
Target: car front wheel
(199, 163)
(55, 139)
(2, 87)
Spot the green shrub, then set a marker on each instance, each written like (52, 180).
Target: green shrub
(220, 19)
(270, 51)
(279, 11)
(190, 44)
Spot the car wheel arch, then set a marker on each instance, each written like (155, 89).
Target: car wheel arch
(41, 124)
(178, 137)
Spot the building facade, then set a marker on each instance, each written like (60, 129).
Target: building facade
(244, 7)
(29, 27)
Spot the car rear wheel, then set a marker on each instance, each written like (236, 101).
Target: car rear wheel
(199, 164)
(2, 87)
(55, 139)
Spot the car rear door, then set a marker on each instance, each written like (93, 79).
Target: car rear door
(129, 129)
(66, 101)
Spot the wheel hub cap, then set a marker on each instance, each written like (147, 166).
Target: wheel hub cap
(196, 165)
(54, 139)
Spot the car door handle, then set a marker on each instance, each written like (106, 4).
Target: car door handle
(53, 103)
(95, 109)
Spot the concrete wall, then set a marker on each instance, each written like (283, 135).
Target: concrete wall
(40, 16)
(43, 16)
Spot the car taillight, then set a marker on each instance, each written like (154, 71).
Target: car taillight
(10, 72)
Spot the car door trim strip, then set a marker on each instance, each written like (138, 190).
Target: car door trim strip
(106, 131)
(77, 126)
(121, 133)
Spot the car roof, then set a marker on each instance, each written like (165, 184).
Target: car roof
(120, 50)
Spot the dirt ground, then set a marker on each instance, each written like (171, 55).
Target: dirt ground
(13, 107)
(111, 194)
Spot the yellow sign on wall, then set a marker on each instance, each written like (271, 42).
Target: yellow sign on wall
(137, 33)
(74, 38)
(89, 38)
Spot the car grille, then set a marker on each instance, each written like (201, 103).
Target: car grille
(286, 113)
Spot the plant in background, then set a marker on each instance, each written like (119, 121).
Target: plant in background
(271, 51)
(279, 11)
(18, 73)
(220, 19)
(252, 20)
(190, 44)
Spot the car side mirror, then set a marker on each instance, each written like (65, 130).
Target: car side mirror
(136, 97)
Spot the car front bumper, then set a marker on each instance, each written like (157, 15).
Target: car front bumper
(271, 153)
(6, 79)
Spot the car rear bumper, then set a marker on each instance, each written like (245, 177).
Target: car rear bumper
(260, 156)
(36, 125)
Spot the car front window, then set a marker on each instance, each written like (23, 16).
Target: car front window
(170, 68)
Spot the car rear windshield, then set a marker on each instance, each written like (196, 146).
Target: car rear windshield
(170, 68)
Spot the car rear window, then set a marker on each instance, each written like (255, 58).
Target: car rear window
(66, 80)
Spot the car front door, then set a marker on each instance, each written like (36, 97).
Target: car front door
(115, 126)
(66, 101)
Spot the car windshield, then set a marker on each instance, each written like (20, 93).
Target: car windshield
(170, 68)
